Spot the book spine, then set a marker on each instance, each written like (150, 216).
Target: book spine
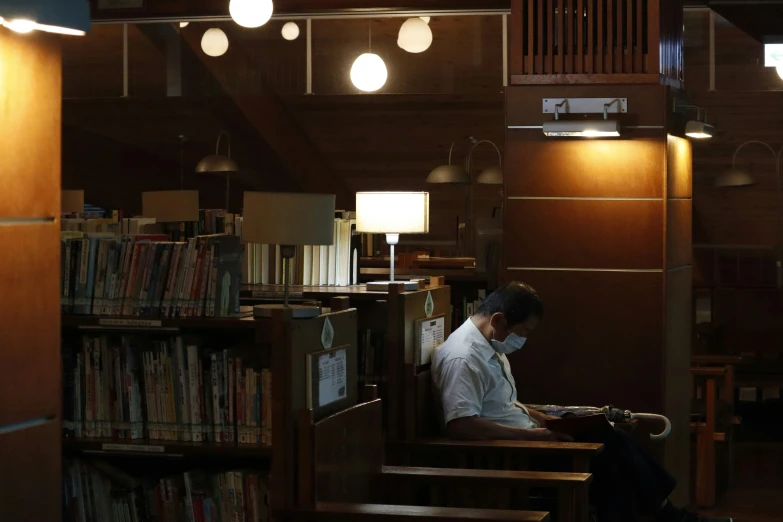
(100, 277)
(205, 276)
(194, 397)
(182, 302)
(216, 415)
(130, 277)
(238, 390)
(170, 279)
(183, 372)
(146, 260)
(162, 279)
(229, 435)
(196, 279)
(266, 405)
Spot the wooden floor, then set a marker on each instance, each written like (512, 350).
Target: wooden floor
(757, 493)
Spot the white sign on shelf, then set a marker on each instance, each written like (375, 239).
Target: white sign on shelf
(773, 55)
(332, 377)
(431, 335)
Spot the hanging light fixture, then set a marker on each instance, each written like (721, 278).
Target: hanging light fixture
(251, 13)
(184, 24)
(368, 72)
(492, 175)
(70, 17)
(214, 42)
(290, 31)
(415, 36)
(219, 164)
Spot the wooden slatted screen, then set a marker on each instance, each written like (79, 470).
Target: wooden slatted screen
(588, 37)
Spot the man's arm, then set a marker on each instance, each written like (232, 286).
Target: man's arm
(476, 428)
(540, 417)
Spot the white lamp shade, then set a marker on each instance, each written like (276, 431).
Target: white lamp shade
(54, 16)
(72, 201)
(393, 212)
(278, 218)
(170, 206)
(251, 13)
(290, 31)
(415, 36)
(214, 42)
(368, 72)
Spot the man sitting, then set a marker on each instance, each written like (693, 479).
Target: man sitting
(479, 398)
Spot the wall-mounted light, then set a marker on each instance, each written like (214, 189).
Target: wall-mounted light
(70, 17)
(605, 128)
(582, 129)
(697, 129)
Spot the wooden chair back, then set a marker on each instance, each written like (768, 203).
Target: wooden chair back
(341, 456)
(427, 417)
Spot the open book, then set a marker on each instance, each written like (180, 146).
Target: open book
(588, 428)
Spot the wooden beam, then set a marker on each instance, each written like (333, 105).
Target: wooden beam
(267, 113)
(204, 8)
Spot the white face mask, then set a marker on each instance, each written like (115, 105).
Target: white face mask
(512, 343)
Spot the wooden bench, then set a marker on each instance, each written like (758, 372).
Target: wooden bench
(341, 464)
(712, 421)
(425, 446)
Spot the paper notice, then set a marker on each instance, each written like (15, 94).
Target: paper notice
(332, 377)
(432, 336)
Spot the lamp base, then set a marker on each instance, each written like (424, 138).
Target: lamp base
(383, 286)
(297, 311)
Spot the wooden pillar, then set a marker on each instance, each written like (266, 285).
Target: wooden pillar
(30, 98)
(602, 227)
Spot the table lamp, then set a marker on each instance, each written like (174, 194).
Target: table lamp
(392, 213)
(288, 220)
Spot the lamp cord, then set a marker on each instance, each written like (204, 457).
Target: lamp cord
(369, 25)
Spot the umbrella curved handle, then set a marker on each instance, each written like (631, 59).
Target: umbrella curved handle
(660, 418)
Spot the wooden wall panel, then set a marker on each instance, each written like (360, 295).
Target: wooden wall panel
(598, 343)
(606, 234)
(646, 103)
(30, 98)
(30, 315)
(677, 361)
(678, 233)
(679, 167)
(546, 167)
(30, 480)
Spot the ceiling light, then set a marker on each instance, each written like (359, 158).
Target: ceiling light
(582, 129)
(368, 72)
(457, 174)
(415, 36)
(251, 13)
(698, 129)
(71, 17)
(426, 19)
(214, 42)
(184, 24)
(290, 31)
(20, 26)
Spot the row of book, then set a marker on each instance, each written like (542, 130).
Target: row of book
(133, 387)
(211, 221)
(149, 276)
(336, 264)
(460, 314)
(95, 491)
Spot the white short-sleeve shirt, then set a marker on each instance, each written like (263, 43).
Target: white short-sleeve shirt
(472, 379)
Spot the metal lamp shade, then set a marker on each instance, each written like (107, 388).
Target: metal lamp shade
(216, 164)
(735, 178)
(449, 174)
(491, 176)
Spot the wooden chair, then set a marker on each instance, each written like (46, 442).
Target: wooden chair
(712, 420)
(341, 475)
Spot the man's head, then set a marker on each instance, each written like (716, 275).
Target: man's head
(511, 309)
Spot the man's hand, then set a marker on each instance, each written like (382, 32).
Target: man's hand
(545, 435)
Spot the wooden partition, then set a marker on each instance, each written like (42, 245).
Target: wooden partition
(293, 340)
(634, 41)
(30, 98)
(405, 309)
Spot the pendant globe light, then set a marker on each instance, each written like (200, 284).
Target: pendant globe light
(214, 42)
(290, 31)
(251, 13)
(415, 36)
(368, 72)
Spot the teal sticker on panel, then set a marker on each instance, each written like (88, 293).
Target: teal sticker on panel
(327, 334)
(429, 305)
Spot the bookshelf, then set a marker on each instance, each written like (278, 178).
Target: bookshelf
(277, 344)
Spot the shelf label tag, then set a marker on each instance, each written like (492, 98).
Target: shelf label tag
(130, 322)
(133, 447)
(429, 305)
(327, 334)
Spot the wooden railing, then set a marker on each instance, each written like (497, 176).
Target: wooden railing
(583, 38)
